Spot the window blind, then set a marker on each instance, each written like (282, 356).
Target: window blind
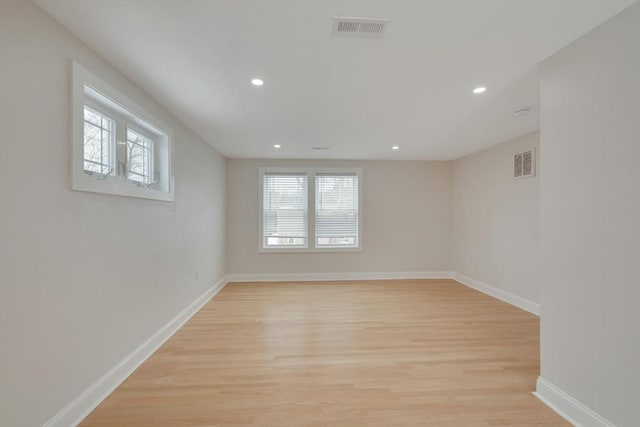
(336, 222)
(284, 210)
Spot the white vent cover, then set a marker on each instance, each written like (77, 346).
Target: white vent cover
(359, 27)
(524, 164)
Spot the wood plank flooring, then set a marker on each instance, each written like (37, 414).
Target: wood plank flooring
(365, 353)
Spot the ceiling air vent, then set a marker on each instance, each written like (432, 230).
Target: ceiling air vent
(359, 27)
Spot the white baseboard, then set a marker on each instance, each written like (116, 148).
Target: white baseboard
(88, 400)
(567, 407)
(315, 277)
(500, 294)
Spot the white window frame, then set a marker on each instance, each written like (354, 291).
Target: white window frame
(311, 208)
(88, 89)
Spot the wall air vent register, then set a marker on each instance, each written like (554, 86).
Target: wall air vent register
(524, 164)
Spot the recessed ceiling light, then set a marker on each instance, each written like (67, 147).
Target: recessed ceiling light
(277, 146)
(257, 82)
(480, 89)
(395, 147)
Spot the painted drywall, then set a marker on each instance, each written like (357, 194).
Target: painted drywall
(406, 220)
(590, 208)
(85, 278)
(495, 219)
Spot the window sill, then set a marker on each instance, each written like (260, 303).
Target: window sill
(306, 250)
(93, 184)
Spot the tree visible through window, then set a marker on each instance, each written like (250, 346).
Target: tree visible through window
(139, 158)
(99, 143)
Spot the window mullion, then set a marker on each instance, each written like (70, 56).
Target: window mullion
(121, 148)
(152, 162)
(311, 210)
(113, 147)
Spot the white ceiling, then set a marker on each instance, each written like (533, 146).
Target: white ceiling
(411, 88)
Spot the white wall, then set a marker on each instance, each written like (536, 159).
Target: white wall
(406, 220)
(495, 219)
(85, 278)
(590, 213)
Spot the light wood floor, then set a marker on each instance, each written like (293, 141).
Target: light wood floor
(348, 354)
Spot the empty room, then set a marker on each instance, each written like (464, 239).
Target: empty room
(319, 213)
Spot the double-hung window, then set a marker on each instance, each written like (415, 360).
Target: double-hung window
(337, 207)
(289, 195)
(117, 146)
(285, 210)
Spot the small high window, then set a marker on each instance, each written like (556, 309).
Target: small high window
(118, 147)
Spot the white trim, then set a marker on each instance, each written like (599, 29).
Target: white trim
(89, 399)
(500, 294)
(492, 291)
(316, 277)
(567, 407)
